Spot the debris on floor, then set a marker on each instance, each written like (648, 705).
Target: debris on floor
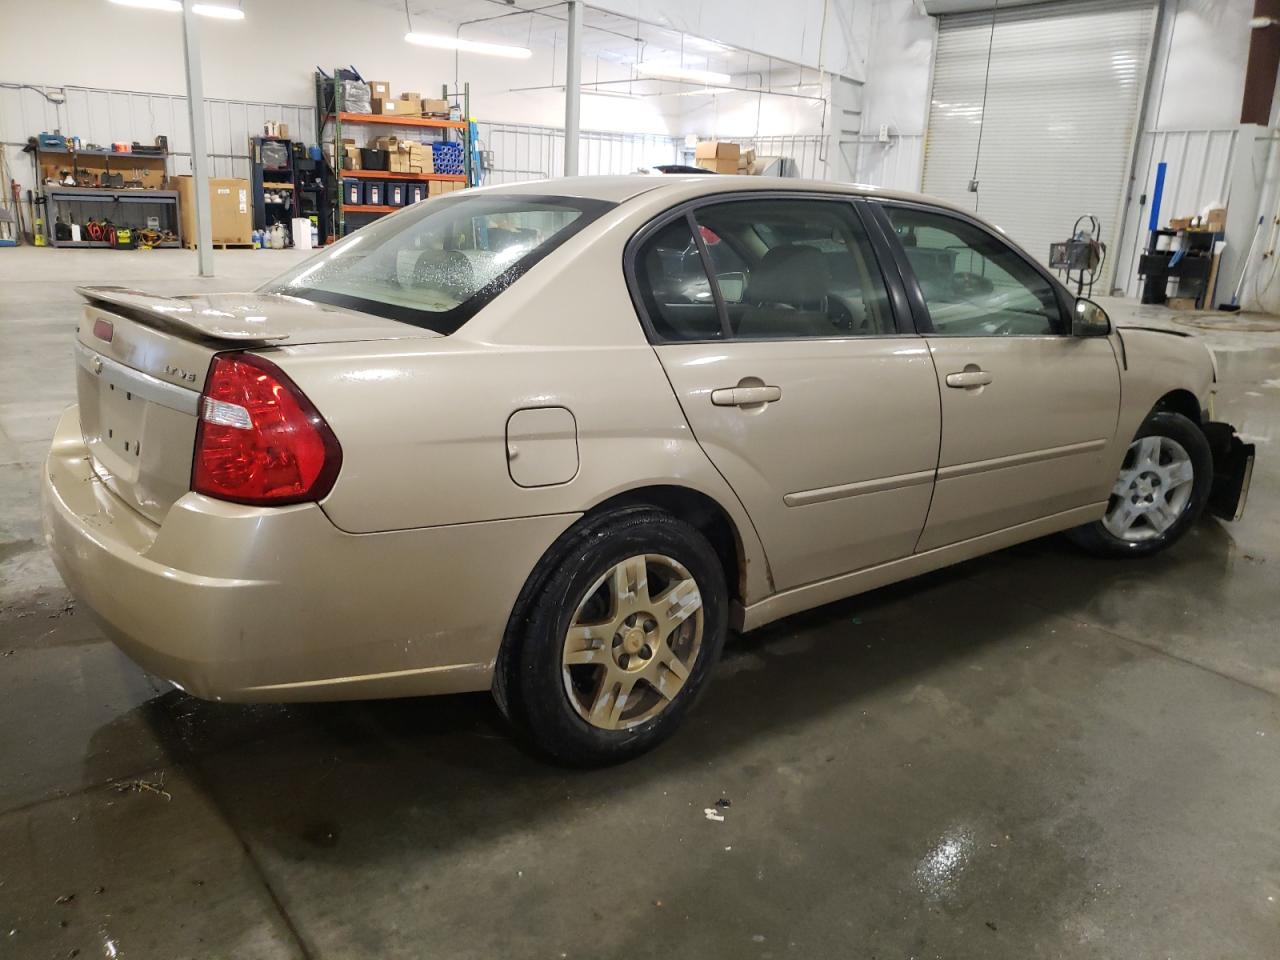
(142, 786)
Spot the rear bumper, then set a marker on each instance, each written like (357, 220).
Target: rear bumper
(1232, 470)
(276, 604)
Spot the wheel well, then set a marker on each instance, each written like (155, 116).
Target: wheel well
(698, 510)
(1179, 401)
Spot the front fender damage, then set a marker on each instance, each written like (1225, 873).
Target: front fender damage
(1232, 470)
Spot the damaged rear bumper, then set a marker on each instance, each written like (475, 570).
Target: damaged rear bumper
(1232, 470)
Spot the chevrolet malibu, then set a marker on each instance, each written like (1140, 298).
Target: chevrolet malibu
(555, 439)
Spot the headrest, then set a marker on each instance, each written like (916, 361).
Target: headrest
(791, 275)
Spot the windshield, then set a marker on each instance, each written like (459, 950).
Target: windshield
(435, 264)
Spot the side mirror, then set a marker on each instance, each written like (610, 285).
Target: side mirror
(1089, 320)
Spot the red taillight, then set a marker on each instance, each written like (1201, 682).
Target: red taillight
(259, 440)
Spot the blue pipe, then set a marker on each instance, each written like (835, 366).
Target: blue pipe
(1156, 196)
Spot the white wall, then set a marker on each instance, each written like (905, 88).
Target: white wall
(271, 55)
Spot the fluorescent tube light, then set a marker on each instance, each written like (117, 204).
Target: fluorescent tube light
(172, 6)
(468, 46)
(218, 11)
(664, 72)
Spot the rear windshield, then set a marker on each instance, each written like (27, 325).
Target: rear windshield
(435, 264)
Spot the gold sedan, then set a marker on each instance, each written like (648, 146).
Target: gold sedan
(556, 439)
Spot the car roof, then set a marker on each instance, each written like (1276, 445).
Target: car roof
(619, 189)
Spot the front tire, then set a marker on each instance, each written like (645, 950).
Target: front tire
(614, 637)
(1162, 489)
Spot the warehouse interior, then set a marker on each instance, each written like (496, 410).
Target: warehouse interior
(1034, 752)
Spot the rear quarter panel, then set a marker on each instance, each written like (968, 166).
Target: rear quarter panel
(423, 424)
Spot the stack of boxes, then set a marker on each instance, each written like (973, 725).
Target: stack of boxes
(717, 156)
(408, 104)
(721, 157)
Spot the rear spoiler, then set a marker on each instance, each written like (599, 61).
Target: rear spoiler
(179, 315)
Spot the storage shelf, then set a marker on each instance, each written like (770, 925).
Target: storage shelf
(399, 121)
(368, 208)
(277, 186)
(127, 154)
(102, 244)
(396, 175)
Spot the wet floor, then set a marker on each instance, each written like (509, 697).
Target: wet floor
(1035, 754)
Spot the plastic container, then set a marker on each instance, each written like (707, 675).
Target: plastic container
(373, 159)
(352, 190)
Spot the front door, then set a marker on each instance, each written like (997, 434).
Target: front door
(792, 372)
(1027, 409)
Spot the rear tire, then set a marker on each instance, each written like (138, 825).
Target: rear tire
(614, 637)
(1162, 489)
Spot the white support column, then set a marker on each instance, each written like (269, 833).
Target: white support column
(572, 88)
(199, 141)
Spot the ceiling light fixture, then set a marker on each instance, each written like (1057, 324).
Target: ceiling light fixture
(688, 74)
(172, 6)
(468, 46)
(218, 11)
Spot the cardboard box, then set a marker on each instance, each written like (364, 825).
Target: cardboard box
(380, 89)
(232, 211)
(409, 104)
(435, 108)
(1180, 223)
(717, 150)
(436, 188)
(1215, 220)
(718, 166)
(397, 108)
(1181, 303)
(405, 156)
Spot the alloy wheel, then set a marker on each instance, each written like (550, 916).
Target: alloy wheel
(1153, 489)
(633, 642)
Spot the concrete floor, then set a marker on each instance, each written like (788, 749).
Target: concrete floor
(1035, 754)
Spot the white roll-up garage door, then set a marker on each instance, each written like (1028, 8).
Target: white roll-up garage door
(1063, 100)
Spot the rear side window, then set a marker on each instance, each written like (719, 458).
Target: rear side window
(437, 263)
(674, 287)
(782, 270)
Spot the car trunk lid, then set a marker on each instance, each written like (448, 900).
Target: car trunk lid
(141, 362)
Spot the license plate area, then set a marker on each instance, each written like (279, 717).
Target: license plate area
(139, 431)
(121, 421)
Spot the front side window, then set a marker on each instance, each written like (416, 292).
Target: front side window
(437, 263)
(974, 284)
(784, 269)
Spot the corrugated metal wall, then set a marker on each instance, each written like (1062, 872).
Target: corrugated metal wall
(101, 116)
(527, 152)
(895, 165)
(521, 151)
(1199, 174)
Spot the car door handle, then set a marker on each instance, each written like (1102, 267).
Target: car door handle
(745, 396)
(967, 379)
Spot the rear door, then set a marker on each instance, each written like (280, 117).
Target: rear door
(1027, 409)
(795, 376)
